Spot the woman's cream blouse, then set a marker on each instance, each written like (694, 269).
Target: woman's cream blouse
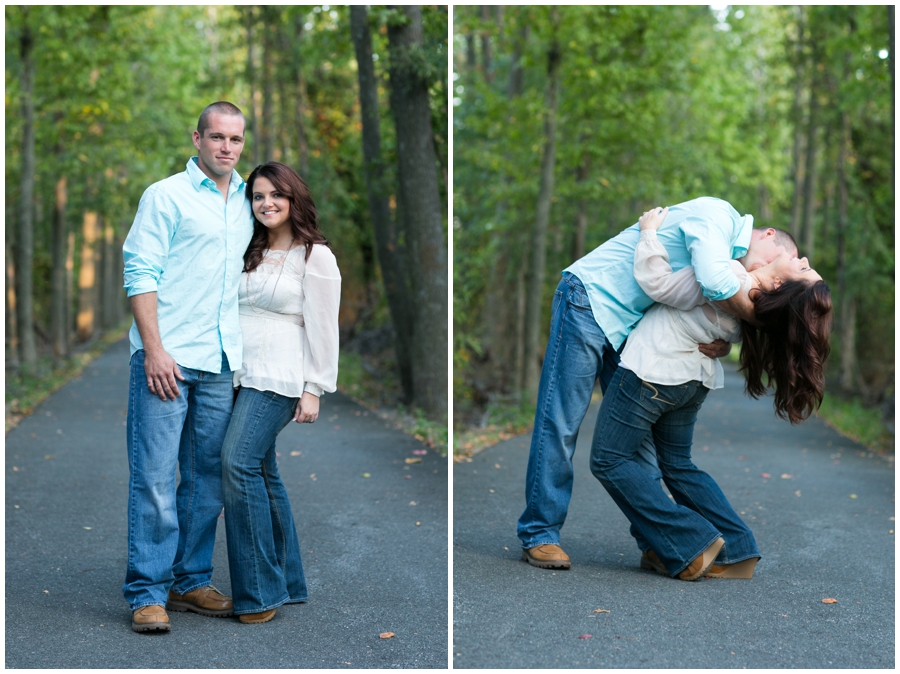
(289, 322)
(662, 348)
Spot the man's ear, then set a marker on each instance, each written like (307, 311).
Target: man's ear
(196, 137)
(769, 233)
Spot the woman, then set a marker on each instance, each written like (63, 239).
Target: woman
(663, 379)
(288, 299)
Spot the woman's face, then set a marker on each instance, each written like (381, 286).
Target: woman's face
(787, 268)
(270, 207)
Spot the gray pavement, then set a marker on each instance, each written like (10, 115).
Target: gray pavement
(374, 548)
(823, 521)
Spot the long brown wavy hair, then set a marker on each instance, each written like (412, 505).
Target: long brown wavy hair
(303, 215)
(790, 348)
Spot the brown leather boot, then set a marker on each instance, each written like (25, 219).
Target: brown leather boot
(651, 562)
(546, 557)
(150, 619)
(703, 561)
(204, 600)
(256, 618)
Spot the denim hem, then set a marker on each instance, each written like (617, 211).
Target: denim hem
(738, 561)
(264, 608)
(534, 545)
(196, 587)
(302, 600)
(149, 603)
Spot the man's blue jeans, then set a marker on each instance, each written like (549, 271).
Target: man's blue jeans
(577, 354)
(676, 531)
(171, 535)
(263, 550)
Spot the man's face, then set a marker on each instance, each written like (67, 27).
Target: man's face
(220, 147)
(763, 249)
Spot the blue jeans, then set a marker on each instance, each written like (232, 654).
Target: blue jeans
(263, 550)
(677, 531)
(577, 354)
(171, 533)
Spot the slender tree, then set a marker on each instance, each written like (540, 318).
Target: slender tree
(421, 209)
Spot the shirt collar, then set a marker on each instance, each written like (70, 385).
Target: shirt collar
(742, 242)
(198, 177)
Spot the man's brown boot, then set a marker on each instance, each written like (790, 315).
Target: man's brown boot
(546, 557)
(150, 619)
(703, 561)
(651, 562)
(204, 600)
(256, 618)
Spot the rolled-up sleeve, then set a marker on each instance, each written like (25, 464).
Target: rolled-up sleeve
(322, 298)
(654, 275)
(710, 247)
(146, 248)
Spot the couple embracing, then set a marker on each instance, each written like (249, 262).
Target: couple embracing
(235, 296)
(680, 286)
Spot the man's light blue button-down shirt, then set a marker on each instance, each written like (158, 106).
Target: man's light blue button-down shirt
(705, 233)
(187, 245)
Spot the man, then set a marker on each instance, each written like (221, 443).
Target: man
(596, 305)
(183, 262)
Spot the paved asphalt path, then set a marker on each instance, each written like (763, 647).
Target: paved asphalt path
(374, 548)
(823, 522)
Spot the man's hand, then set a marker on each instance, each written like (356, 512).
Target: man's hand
(162, 371)
(653, 218)
(307, 408)
(717, 349)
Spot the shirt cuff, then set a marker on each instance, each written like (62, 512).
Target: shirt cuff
(648, 235)
(141, 286)
(315, 389)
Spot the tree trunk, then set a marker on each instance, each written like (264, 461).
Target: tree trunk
(12, 333)
(87, 278)
(890, 12)
(390, 258)
(538, 244)
(847, 310)
(471, 55)
(581, 219)
(70, 285)
(487, 66)
(301, 104)
(25, 238)
(59, 333)
(422, 212)
(111, 274)
(809, 183)
(797, 117)
(268, 55)
(255, 140)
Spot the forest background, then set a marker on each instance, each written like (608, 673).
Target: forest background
(101, 102)
(570, 121)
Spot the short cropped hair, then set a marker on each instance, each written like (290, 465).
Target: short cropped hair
(783, 238)
(219, 108)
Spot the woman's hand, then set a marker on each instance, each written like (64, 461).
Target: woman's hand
(307, 409)
(653, 218)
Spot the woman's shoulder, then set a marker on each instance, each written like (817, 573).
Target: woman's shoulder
(322, 261)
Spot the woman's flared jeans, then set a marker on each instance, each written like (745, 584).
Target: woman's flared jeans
(263, 550)
(677, 531)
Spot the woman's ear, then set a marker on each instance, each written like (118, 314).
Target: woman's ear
(776, 283)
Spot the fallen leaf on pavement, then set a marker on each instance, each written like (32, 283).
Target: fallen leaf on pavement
(742, 458)
(601, 610)
(829, 600)
(366, 475)
(386, 635)
(797, 493)
(586, 636)
(765, 475)
(786, 476)
(295, 453)
(420, 452)
(852, 495)
(411, 460)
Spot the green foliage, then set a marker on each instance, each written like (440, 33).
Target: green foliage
(849, 417)
(659, 105)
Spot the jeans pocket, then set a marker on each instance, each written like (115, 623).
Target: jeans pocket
(664, 398)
